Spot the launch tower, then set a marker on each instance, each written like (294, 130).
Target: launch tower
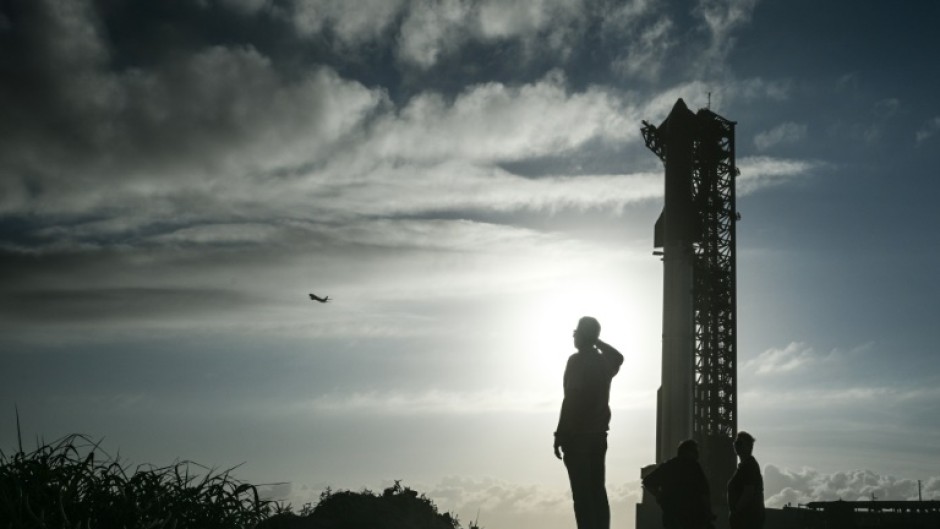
(695, 235)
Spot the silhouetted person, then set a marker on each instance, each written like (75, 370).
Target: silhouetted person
(584, 421)
(746, 488)
(681, 489)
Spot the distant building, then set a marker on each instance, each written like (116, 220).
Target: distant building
(856, 515)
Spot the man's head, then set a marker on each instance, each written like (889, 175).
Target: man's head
(744, 444)
(587, 333)
(688, 449)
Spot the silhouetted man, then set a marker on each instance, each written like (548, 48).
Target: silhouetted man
(584, 421)
(681, 489)
(746, 488)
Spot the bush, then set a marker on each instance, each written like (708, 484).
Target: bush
(396, 508)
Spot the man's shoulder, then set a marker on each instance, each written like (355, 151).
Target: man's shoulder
(751, 464)
(665, 472)
(669, 466)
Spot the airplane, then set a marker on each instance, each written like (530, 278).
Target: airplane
(318, 298)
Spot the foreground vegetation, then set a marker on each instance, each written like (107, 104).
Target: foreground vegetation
(397, 507)
(73, 484)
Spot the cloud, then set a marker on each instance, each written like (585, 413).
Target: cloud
(172, 131)
(389, 278)
(218, 145)
(798, 356)
(852, 398)
(431, 30)
(499, 122)
(757, 88)
(430, 156)
(638, 38)
(464, 187)
(646, 56)
(434, 402)
(869, 127)
(886, 108)
(761, 172)
(928, 130)
(721, 18)
(782, 486)
(502, 19)
(800, 376)
(445, 402)
(184, 128)
(492, 495)
(157, 173)
(882, 111)
(239, 233)
(784, 133)
(353, 23)
(114, 304)
(792, 357)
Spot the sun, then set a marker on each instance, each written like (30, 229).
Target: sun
(629, 321)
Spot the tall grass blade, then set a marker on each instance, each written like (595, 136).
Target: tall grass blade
(19, 433)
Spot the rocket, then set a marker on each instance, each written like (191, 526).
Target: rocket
(695, 237)
(677, 228)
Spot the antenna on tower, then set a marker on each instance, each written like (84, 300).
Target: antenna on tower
(709, 106)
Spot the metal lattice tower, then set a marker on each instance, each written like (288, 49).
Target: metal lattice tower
(714, 288)
(714, 300)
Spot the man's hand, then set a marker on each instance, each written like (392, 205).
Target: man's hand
(557, 449)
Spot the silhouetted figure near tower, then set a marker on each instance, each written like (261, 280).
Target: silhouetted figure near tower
(681, 489)
(746, 488)
(581, 437)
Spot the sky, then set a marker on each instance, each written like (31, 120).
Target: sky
(464, 179)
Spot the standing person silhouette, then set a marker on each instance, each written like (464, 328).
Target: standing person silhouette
(746, 488)
(581, 437)
(681, 489)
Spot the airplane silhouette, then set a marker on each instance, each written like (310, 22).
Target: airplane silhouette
(318, 298)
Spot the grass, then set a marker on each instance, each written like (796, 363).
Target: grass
(73, 484)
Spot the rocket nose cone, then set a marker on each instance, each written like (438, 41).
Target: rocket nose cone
(678, 117)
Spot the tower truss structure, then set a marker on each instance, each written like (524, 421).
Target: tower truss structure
(700, 181)
(714, 272)
(714, 288)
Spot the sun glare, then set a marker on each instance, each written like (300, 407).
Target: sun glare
(627, 309)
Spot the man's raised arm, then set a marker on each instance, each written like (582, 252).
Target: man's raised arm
(612, 356)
